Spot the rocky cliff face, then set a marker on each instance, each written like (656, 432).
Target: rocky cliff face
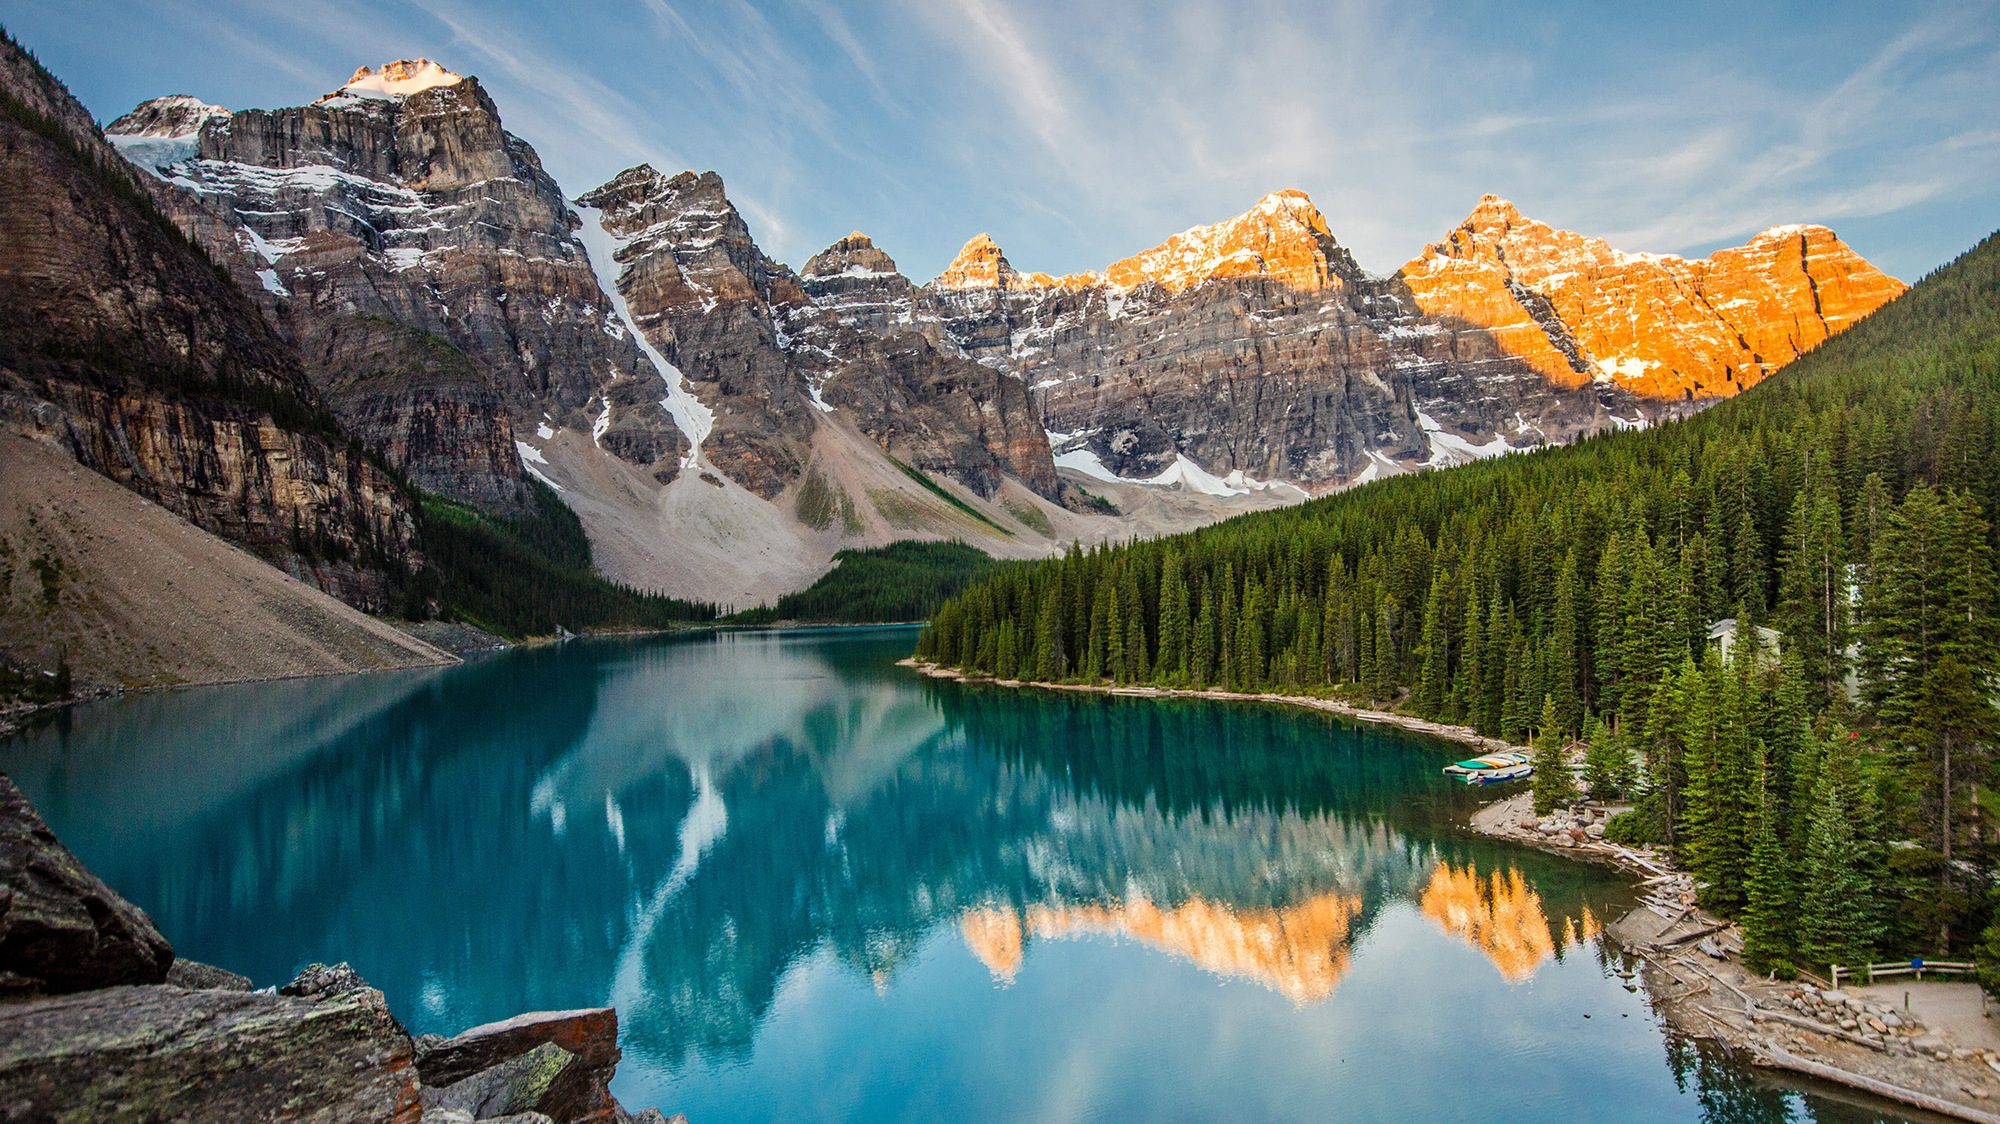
(769, 353)
(119, 341)
(1661, 326)
(1254, 350)
(422, 260)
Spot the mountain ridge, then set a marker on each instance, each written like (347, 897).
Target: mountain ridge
(1228, 360)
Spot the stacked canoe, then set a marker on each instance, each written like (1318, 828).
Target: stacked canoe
(1492, 768)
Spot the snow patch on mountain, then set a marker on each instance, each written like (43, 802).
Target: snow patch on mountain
(530, 458)
(601, 246)
(397, 79)
(1182, 475)
(1448, 448)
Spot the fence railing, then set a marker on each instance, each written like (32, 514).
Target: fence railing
(1917, 968)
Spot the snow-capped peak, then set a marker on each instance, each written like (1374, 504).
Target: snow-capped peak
(162, 131)
(174, 116)
(397, 79)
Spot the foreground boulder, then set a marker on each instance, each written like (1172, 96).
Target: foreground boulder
(558, 1063)
(61, 928)
(165, 1053)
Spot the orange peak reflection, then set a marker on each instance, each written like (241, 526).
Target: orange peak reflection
(1501, 917)
(1299, 952)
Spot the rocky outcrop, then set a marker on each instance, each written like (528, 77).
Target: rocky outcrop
(769, 352)
(423, 262)
(165, 1053)
(118, 340)
(558, 1063)
(61, 928)
(323, 1049)
(1659, 325)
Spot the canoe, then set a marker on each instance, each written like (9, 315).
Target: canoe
(1495, 776)
(1490, 761)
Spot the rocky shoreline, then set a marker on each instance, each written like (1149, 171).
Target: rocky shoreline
(1688, 959)
(99, 1020)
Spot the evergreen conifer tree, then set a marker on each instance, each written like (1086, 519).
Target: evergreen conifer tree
(1555, 785)
(1769, 902)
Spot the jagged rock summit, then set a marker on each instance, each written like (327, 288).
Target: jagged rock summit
(1284, 237)
(397, 79)
(424, 264)
(1663, 326)
(981, 265)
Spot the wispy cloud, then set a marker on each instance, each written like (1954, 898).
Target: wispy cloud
(1079, 133)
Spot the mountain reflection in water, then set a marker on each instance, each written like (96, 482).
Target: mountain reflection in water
(720, 835)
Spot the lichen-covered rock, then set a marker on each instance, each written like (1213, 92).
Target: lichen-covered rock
(516, 1085)
(162, 1053)
(321, 981)
(196, 976)
(59, 924)
(579, 1092)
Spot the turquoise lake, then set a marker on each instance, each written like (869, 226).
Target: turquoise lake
(819, 887)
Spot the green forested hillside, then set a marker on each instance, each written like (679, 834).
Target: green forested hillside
(525, 575)
(904, 581)
(1843, 502)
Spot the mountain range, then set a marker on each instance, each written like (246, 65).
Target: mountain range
(415, 298)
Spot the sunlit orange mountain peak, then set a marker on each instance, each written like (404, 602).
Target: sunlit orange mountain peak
(1662, 326)
(1283, 237)
(981, 265)
(1501, 916)
(395, 80)
(1300, 952)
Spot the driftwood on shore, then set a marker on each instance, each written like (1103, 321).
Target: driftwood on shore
(1772, 1056)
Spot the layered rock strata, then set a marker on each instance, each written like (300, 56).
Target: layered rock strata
(120, 342)
(1660, 325)
(424, 263)
(768, 362)
(1257, 346)
(1251, 350)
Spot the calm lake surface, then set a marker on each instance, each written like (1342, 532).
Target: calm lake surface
(820, 887)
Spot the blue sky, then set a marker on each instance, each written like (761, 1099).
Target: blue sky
(1077, 133)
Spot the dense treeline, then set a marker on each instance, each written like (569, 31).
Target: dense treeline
(526, 575)
(1833, 791)
(904, 581)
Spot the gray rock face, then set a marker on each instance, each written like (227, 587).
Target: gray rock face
(59, 924)
(516, 1085)
(169, 1054)
(769, 353)
(1277, 358)
(319, 981)
(425, 265)
(196, 976)
(509, 1066)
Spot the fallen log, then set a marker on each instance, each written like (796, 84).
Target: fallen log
(1819, 1027)
(1778, 1059)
